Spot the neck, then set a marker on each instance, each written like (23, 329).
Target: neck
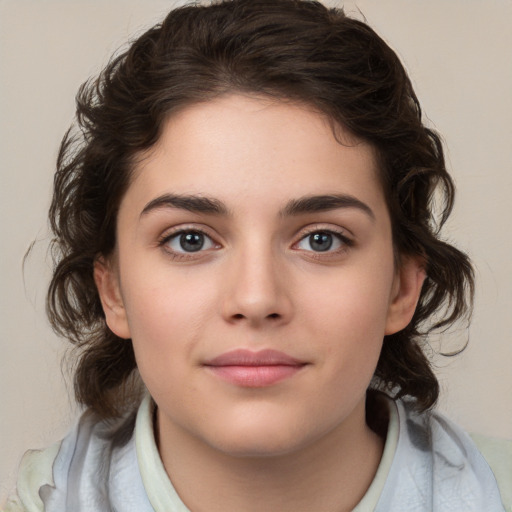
(329, 474)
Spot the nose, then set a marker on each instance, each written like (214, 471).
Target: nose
(257, 291)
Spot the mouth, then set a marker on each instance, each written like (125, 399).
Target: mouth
(254, 369)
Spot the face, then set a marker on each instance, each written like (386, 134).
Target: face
(254, 272)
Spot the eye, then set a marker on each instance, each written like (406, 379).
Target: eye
(188, 241)
(323, 241)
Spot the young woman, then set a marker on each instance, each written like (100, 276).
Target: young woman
(248, 258)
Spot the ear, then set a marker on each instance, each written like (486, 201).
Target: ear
(107, 283)
(406, 292)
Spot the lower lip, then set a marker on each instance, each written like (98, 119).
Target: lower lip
(255, 376)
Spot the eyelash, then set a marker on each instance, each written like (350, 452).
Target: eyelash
(344, 241)
(340, 235)
(178, 255)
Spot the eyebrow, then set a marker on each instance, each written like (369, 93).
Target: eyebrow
(302, 205)
(323, 203)
(196, 204)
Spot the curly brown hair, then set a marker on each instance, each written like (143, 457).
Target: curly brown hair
(295, 50)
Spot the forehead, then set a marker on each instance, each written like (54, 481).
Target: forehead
(239, 147)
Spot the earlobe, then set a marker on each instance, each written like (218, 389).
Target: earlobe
(107, 283)
(406, 292)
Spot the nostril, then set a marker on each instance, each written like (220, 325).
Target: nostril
(271, 316)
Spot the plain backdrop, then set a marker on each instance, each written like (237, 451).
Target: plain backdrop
(459, 56)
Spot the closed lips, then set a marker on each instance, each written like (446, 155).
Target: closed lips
(243, 357)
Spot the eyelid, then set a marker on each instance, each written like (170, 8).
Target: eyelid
(343, 235)
(176, 231)
(181, 228)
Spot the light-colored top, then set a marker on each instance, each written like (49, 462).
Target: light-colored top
(428, 465)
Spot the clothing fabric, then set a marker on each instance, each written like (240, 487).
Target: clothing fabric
(428, 465)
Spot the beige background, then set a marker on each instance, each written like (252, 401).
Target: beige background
(458, 53)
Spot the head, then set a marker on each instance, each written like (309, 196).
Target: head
(286, 52)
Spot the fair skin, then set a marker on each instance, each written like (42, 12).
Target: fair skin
(262, 265)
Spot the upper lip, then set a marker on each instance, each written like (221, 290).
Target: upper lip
(244, 357)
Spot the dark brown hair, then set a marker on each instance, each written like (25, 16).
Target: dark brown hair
(287, 49)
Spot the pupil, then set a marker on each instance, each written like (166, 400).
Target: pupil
(321, 241)
(191, 242)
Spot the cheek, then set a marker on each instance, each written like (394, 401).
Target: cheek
(166, 315)
(160, 300)
(347, 318)
(352, 304)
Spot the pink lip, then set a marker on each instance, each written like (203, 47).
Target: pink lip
(254, 369)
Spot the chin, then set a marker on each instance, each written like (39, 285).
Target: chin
(260, 439)
(257, 448)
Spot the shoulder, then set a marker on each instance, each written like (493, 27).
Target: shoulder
(36, 470)
(48, 478)
(489, 459)
(438, 467)
(498, 454)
